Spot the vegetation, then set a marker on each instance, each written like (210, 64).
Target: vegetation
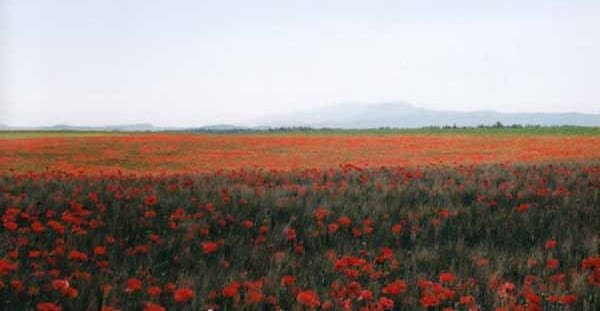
(491, 237)
(495, 129)
(189, 153)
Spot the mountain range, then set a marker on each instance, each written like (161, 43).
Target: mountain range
(362, 116)
(403, 115)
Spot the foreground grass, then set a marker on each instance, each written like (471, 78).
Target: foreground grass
(487, 237)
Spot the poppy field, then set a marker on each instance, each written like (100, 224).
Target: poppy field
(156, 153)
(229, 222)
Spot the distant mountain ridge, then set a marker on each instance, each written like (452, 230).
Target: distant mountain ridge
(359, 116)
(403, 115)
(138, 127)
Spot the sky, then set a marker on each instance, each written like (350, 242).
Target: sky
(192, 63)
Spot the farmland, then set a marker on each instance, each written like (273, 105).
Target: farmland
(369, 221)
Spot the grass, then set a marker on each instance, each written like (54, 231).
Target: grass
(521, 237)
(523, 131)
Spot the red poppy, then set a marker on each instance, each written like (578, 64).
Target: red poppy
(7, 266)
(182, 295)
(568, 299)
(308, 298)
(290, 234)
(254, 296)
(47, 306)
(288, 280)
(447, 277)
(209, 247)
(386, 303)
(552, 263)
(154, 291)
(345, 221)
(100, 250)
(550, 244)
(467, 300)
(133, 285)
(153, 307)
(395, 288)
(231, 290)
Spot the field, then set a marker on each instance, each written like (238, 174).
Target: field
(334, 221)
(197, 153)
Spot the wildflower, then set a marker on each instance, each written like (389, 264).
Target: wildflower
(133, 285)
(247, 224)
(153, 307)
(429, 300)
(332, 228)
(365, 295)
(552, 263)
(568, 299)
(154, 291)
(320, 214)
(308, 298)
(550, 244)
(386, 303)
(7, 266)
(209, 247)
(395, 288)
(231, 290)
(100, 250)
(467, 300)
(447, 277)
(254, 296)
(290, 234)
(78, 256)
(345, 221)
(521, 208)
(47, 306)
(182, 295)
(150, 200)
(37, 227)
(287, 280)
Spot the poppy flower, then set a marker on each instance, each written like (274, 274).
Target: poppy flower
(7, 266)
(447, 277)
(154, 291)
(100, 251)
(153, 307)
(308, 298)
(568, 299)
(287, 280)
(231, 290)
(386, 303)
(552, 263)
(47, 306)
(209, 247)
(254, 296)
(182, 295)
(133, 285)
(467, 300)
(395, 288)
(344, 221)
(290, 234)
(550, 244)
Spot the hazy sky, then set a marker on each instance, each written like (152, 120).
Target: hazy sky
(200, 62)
